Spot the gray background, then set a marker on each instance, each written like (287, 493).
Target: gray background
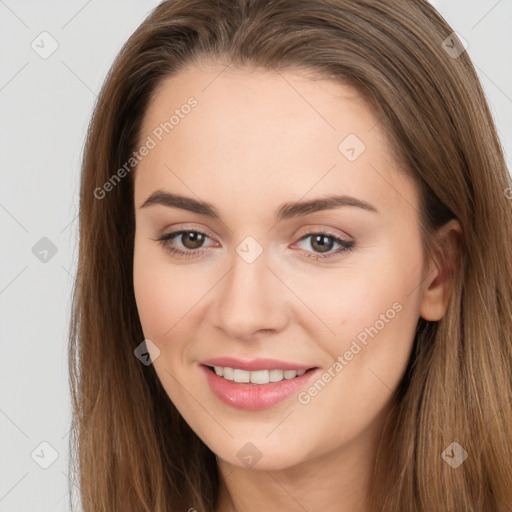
(45, 106)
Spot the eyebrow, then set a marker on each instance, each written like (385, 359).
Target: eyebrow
(286, 211)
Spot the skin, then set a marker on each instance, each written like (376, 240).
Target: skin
(255, 141)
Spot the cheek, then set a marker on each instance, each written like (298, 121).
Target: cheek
(168, 302)
(374, 318)
(162, 293)
(372, 311)
(346, 302)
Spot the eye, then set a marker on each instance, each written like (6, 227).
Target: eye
(324, 243)
(191, 240)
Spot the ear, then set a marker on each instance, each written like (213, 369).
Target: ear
(438, 283)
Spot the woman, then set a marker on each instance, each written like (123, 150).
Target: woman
(294, 288)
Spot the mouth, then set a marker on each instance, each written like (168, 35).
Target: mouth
(259, 388)
(257, 377)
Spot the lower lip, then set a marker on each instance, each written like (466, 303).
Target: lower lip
(253, 397)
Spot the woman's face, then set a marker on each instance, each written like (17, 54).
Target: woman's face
(271, 268)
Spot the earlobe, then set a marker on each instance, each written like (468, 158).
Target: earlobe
(438, 282)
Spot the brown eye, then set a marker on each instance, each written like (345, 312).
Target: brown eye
(192, 239)
(184, 243)
(322, 243)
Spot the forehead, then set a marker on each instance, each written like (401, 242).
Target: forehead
(265, 132)
(261, 103)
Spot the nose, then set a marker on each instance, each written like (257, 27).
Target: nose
(250, 300)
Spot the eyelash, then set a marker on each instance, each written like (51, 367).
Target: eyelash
(345, 245)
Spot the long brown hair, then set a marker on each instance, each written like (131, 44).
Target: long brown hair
(130, 448)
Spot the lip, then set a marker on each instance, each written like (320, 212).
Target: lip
(254, 397)
(255, 364)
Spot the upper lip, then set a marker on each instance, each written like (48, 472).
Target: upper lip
(255, 364)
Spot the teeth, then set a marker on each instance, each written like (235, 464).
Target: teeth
(276, 375)
(260, 377)
(256, 377)
(227, 373)
(241, 375)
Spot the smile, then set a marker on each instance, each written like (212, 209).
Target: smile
(255, 389)
(256, 377)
